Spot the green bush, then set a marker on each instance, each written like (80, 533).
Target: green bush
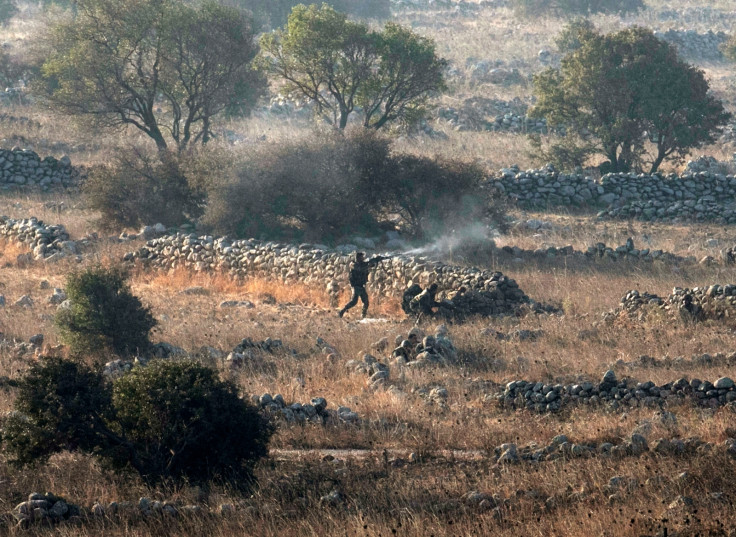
(185, 423)
(138, 188)
(60, 405)
(536, 8)
(168, 421)
(104, 316)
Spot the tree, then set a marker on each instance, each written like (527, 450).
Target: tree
(616, 91)
(103, 314)
(168, 420)
(341, 65)
(164, 67)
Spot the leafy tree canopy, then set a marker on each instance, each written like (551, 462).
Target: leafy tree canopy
(620, 90)
(162, 66)
(343, 66)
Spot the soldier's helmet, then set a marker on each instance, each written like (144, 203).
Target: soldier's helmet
(406, 344)
(428, 342)
(359, 256)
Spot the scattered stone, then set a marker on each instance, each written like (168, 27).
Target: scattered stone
(24, 302)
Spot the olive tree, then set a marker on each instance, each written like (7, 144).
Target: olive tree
(162, 66)
(618, 91)
(341, 66)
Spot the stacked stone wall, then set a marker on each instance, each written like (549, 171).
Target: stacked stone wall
(699, 196)
(25, 169)
(493, 293)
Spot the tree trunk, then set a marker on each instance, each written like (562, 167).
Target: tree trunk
(344, 113)
(155, 133)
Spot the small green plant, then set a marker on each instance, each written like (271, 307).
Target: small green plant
(172, 421)
(103, 314)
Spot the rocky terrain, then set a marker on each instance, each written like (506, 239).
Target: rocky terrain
(582, 385)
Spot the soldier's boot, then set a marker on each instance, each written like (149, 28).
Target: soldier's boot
(341, 313)
(365, 312)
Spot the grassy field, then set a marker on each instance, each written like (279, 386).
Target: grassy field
(408, 466)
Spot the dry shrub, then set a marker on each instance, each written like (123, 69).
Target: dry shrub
(140, 188)
(332, 185)
(316, 188)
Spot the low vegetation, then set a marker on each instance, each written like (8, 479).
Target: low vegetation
(102, 314)
(165, 398)
(168, 421)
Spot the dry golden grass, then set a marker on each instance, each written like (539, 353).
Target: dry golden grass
(423, 498)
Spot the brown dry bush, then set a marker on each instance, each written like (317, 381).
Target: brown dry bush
(141, 188)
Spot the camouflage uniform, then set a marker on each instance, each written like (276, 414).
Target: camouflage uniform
(423, 303)
(358, 277)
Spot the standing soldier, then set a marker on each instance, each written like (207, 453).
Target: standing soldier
(358, 277)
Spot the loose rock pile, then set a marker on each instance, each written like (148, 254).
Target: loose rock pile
(634, 446)
(692, 45)
(47, 242)
(310, 265)
(696, 361)
(44, 508)
(315, 411)
(712, 303)
(701, 196)
(21, 168)
(600, 250)
(480, 113)
(541, 397)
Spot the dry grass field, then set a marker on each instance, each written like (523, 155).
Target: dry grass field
(406, 468)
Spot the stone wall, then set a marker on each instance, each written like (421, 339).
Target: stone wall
(692, 45)
(46, 242)
(21, 168)
(698, 196)
(493, 292)
(710, 303)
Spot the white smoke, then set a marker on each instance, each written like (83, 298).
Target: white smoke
(456, 241)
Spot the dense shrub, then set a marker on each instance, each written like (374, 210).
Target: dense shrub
(317, 188)
(138, 188)
(168, 421)
(534, 8)
(433, 195)
(336, 185)
(103, 315)
(185, 423)
(60, 405)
